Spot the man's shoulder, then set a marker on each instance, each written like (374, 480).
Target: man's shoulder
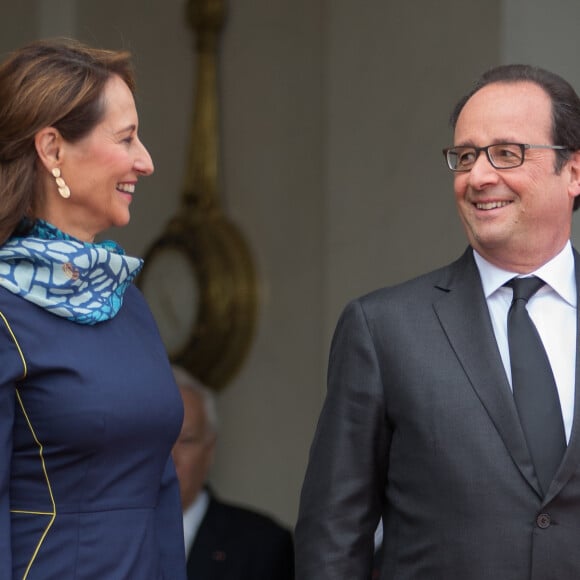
(245, 517)
(237, 542)
(441, 277)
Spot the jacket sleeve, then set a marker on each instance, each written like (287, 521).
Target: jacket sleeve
(6, 422)
(170, 526)
(342, 494)
(12, 368)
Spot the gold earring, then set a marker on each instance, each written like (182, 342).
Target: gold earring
(62, 186)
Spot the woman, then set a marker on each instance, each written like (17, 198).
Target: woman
(89, 410)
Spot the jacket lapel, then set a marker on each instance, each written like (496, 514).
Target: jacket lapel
(463, 313)
(204, 554)
(571, 458)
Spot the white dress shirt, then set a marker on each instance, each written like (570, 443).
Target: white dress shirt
(192, 517)
(553, 311)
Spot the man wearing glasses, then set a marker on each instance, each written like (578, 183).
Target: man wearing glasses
(450, 410)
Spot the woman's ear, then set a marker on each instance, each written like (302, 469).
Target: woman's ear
(48, 142)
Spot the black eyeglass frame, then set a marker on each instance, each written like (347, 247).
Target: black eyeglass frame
(523, 147)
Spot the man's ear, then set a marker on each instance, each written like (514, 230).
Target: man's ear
(211, 448)
(48, 143)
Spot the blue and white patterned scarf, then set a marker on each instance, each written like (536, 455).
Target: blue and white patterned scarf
(80, 281)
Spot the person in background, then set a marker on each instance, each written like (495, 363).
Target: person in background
(222, 541)
(432, 420)
(89, 410)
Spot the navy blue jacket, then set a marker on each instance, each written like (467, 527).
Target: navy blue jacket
(88, 416)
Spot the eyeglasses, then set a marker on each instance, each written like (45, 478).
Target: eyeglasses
(500, 155)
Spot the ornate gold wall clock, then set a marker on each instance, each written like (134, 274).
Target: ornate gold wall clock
(199, 276)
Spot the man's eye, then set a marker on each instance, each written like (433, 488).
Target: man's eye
(506, 152)
(466, 157)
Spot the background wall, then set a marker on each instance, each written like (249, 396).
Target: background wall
(333, 119)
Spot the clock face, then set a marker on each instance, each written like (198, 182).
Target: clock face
(171, 288)
(200, 283)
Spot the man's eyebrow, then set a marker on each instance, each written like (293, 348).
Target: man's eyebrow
(470, 143)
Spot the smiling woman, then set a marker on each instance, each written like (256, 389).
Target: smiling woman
(101, 168)
(89, 409)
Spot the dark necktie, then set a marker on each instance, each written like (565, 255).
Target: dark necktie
(535, 392)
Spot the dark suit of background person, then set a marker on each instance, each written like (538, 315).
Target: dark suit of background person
(229, 542)
(419, 425)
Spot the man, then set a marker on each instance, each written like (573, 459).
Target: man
(223, 541)
(420, 426)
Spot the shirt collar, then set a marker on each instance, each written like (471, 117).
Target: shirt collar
(558, 273)
(192, 517)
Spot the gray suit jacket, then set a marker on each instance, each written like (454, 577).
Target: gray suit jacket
(419, 427)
